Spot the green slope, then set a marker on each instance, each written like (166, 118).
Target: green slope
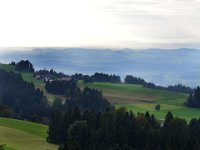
(131, 93)
(23, 135)
(140, 99)
(20, 140)
(26, 126)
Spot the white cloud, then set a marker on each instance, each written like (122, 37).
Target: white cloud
(100, 23)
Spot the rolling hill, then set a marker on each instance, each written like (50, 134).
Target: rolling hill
(140, 99)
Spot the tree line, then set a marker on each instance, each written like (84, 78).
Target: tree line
(174, 88)
(97, 77)
(49, 73)
(23, 66)
(194, 99)
(121, 130)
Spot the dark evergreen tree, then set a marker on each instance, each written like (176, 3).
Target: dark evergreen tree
(168, 118)
(194, 99)
(157, 107)
(133, 80)
(55, 128)
(79, 131)
(24, 66)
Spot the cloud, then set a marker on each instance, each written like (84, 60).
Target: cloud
(100, 23)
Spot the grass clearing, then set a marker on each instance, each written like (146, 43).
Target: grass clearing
(177, 111)
(26, 126)
(19, 140)
(136, 93)
(23, 135)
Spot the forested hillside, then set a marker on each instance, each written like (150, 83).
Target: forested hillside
(122, 130)
(21, 99)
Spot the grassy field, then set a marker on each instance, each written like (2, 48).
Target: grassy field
(131, 93)
(30, 127)
(140, 99)
(23, 135)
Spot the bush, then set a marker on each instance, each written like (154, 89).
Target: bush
(157, 107)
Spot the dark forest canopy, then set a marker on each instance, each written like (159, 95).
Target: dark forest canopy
(60, 87)
(88, 99)
(97, 77)
(23, 66)
(133, 80)
(121, 130)
(21, 99)
(194, 99)
(49, 73)
(85, 100)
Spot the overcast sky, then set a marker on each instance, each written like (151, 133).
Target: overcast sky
(100, 23)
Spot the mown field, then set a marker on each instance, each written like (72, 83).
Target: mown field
(133, 97)
(24, 135)
(140, 99)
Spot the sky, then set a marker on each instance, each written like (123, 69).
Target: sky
(111, 24)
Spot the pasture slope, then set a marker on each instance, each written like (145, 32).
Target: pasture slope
(23, 135)
(140, 99)
(134, 97)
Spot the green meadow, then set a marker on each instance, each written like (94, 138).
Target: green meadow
(23, 135)
(140, 99)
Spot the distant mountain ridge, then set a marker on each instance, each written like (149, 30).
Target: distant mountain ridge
(163, 67)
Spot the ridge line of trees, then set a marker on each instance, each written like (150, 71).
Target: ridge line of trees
(121, 130)
(174, 88)
(97, 77)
